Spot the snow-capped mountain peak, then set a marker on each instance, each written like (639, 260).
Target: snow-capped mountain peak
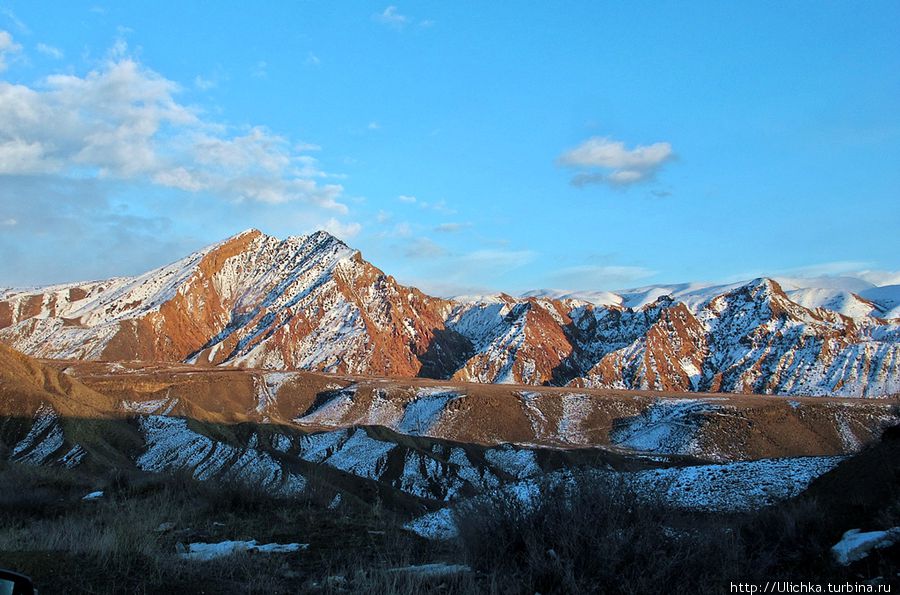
(312, 302)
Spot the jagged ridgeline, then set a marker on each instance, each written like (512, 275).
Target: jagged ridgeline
(313, 303)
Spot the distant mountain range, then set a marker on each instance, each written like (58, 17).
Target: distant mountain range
(311, 302)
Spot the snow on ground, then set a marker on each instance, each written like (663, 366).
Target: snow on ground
(669, 426)
(729, 487)
(332, 412)
(426, 478)
(172, 445)
(203, 552)
(352, 451)
(848, 439)
(519, 463)
(855, 546)
(736, 486)
(438, 525)
(281, 442)
(575, 410)
(43, 439)
(836, 300)
(315, 448)
(268, 386)
(361, 455)
(886, 296)
(423, 414)
(162, 406)
(383, 411)
(73, 458)
(536, 417)
(480, 478)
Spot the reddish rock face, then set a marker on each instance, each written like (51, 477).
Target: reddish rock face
(313, 303)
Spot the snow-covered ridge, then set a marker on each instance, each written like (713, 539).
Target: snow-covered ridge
(849, 296)
(311, 302)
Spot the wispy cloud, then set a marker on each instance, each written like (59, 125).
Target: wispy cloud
(203, 83)
(423, 248)
(312, 59)
(16, 21)
(506, 259)
(439, 206)
(602, 160)
(344, 231)
(599, 276)
(391, 16)
(50, 51)
(260, 70)
(451, 227)
(8, 47)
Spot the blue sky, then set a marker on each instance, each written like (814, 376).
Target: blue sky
(461, 146)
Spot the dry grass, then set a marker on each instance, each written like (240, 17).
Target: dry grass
(599, 535)
(112, 545)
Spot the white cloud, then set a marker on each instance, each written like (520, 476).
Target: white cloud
(261, 70)
(7, 48)
(373, 125)
(123, 121)
(400, 230)
(50, 51)
(343, 231)
(9, 222)
(439, 206)
(451, 227)
(604, 160)
(203, 83)
(390, 16)
(312, 60)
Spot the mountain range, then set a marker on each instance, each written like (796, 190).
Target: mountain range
(313, 303)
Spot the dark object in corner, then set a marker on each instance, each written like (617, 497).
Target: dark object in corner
(13, 583)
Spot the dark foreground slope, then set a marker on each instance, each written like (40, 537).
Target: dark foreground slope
(598, 537)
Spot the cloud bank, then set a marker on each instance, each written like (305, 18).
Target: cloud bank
(122, 121)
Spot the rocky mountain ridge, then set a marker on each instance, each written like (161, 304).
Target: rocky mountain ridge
(313, 303)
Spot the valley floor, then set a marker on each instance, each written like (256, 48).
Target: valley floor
(406, 486)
